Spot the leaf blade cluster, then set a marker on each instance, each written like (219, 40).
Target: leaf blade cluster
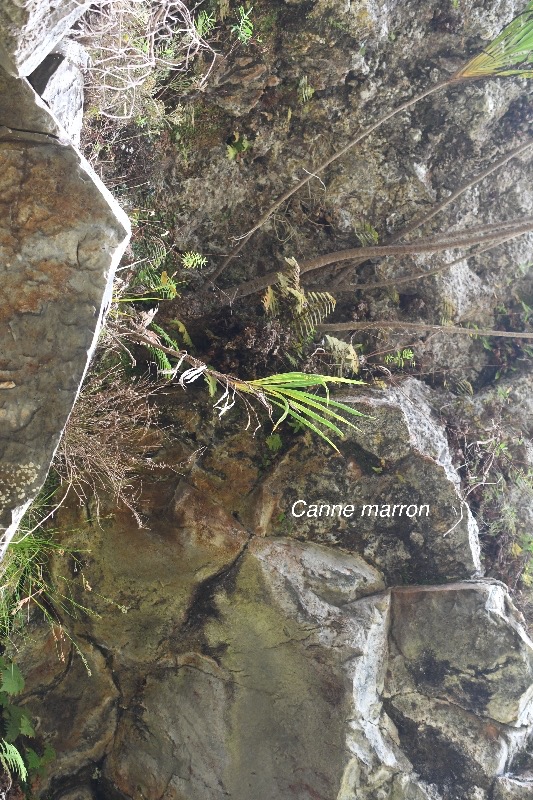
(509, 54)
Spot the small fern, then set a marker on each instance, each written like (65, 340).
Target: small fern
(11, 760)
(270, 302)
(400, 358)
(318, 305)
(184, 333)
(448, 312)
(193, 260)
(205, 23)
(149, 279)
(159, 357)
(168, 340)
(305, 91)
(244, 29)
(155, 252)
(464, 388)
(306, 309)
(346, 359)
(367, 234)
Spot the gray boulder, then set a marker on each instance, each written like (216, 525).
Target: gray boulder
(513, 788)
(61, 236)
(29, 29)
(59, 81)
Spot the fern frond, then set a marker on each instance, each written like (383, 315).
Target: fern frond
(448, 312)
(193, 260)
(11, 760)
(367, 234)
(270, 302)
(343, 353)
(168, 340)
(510, 53)
(160, 359)
(305, 90)
(187, 341)
(154, 251)
(318, 305)
(464, 387)
(289, 286)
(299, 299)
(294, 274)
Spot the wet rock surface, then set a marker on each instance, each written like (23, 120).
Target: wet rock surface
(248, 659)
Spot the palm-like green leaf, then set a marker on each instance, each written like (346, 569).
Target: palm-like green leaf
(287, 390)
(510, 53)
(317, 413)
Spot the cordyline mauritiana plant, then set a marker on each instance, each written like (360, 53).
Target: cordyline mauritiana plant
(288, 391)
(510, 54)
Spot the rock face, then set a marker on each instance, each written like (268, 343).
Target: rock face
(61, 236)
(59, 81)
(472, 694)
(246, 657)
(250, 642)
(29, 29)
(398, 455)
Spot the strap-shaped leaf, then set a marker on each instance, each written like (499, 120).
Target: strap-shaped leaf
(510, 53)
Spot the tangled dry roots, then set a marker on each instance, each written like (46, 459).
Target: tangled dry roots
(106, 442)
(128, 42)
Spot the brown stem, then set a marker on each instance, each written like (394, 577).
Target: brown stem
(425, 218)
(467, 238)
(325, 164)
(419, 326)
(350, 288)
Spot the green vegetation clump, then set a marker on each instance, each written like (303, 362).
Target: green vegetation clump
(244, 28)
(17, 758)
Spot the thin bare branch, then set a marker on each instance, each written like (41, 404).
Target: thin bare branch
(420, 326)
(482, 234)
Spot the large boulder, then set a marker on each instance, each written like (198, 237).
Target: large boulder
(29, 29)
(459, 683)
(267, 709)
(403, 506)
(61, 236)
